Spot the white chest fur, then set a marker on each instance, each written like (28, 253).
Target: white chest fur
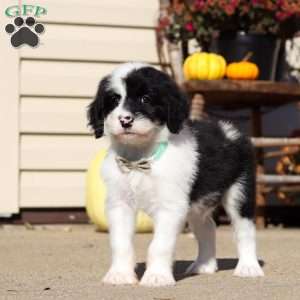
(167, 184)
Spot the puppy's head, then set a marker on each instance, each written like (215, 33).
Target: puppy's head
(135, 102)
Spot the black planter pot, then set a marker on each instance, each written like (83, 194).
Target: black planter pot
(266, 49)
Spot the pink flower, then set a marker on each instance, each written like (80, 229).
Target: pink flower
(235, 3)
(258, 3)
(189, 27)
(229, 9)
(199, 4)
(281, 16)
(164, 21)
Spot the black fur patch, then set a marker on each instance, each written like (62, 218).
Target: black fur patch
(223, 162)
(105, 101)
(166, 103)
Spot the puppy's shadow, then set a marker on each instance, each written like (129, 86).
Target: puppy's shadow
(225, 264)
(180, 266)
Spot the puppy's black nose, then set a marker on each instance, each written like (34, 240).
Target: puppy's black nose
(126, 121)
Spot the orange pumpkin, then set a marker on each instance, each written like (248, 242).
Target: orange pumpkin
(243, 70)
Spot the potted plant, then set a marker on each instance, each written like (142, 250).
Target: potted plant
(233, 27)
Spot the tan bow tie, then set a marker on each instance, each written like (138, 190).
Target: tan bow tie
(126, 166)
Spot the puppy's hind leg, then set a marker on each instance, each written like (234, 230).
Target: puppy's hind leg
(239, 205)
(204, 229)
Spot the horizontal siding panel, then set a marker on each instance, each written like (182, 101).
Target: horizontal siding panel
(52, 152)
(53, 115)
(63, 79)
(109, 12)
(52, 189)
(48, 78)
(95, 43)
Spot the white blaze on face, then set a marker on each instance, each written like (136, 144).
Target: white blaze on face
(117, 77)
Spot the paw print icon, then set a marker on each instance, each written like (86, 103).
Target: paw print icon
(24, 32)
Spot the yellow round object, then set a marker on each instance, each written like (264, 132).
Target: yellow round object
(96, 196)
(204, 66)
(243, 70)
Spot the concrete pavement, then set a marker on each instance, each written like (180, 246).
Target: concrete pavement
(67, 262)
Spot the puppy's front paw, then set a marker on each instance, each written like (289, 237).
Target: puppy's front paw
(248, 269)
(116, 277)
(153, 279)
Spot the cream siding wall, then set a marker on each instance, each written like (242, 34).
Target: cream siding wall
(9, 124)
(83, 41)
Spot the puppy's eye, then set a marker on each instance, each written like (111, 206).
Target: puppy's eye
(115, 98)
(145, 99)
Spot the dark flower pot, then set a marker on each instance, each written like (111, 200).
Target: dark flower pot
(266, 49)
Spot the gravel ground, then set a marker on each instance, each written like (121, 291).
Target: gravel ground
(67, 262)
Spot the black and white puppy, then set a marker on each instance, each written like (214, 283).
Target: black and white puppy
(173, 169)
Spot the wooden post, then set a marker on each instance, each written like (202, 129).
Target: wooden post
(257, 131)
(176, 59)
(9, 121)
(197, 107)
(260, 197)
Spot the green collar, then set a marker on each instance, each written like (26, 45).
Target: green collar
(159, 150)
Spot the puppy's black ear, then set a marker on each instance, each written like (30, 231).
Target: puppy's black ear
(95, 111)
(177, 108)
